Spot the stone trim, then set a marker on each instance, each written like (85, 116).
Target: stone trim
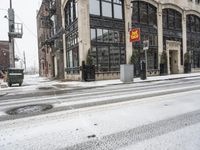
(192, 12)
(172, 6)
(152, 2)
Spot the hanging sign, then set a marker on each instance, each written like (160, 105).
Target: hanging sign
(135, 35)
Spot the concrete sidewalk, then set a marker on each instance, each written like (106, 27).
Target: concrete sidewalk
(135, 80)
(50, 87)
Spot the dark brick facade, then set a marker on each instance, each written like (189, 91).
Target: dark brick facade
(4, 55)
(50, 45)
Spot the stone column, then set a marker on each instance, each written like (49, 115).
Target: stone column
(64, 39)
(83, 29)
(184, 38)
(128, 27)
(184, 32)
(160, 33)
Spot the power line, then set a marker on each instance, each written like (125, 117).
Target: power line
(3, 9)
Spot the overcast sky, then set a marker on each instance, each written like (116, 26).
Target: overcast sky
(25, 12)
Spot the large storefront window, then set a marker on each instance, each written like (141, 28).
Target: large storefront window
(107, 49)
(71, 26)
(94, 7)
(107, 35)
(152, 15)
(144, 13)
(118, 9)
(193, 42)
(172, 19)
(108, 58)
(106, 8)
(135, 17)
(70, 12)
(72, 60)
(103, 58)
(145, 18)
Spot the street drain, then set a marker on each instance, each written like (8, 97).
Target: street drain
(29, 109)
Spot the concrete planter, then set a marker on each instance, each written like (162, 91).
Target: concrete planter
(126, 73)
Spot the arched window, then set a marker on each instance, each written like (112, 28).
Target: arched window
(193, 23)
(144, 13)
(144, 16)
(172, 19)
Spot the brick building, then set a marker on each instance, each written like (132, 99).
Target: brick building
(4, 55)
(50, 45)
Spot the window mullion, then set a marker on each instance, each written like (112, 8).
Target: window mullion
(112, 7)
(100, 3)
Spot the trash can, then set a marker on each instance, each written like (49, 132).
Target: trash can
(15, 76)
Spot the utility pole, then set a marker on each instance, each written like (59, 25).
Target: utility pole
(11, 24)
(15, 31)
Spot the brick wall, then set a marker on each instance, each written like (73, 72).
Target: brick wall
(4, 55)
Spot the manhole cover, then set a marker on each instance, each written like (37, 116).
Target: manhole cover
(29, 109)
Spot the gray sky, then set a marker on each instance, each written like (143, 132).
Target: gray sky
(25, 12)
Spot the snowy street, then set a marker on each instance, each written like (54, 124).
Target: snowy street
(100, 75)
(154, 115)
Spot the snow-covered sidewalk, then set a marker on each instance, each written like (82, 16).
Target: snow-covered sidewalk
(34, 83)
(136, 80)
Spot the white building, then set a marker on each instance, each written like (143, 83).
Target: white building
(102, 27)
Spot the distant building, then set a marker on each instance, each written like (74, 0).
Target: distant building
(4, 55)
(50, 45)
(44, 32)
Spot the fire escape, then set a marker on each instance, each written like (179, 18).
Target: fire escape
(52, 19)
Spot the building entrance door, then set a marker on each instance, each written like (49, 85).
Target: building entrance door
(173, 62)
(173, 49)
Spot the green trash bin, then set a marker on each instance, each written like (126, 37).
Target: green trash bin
(15, 76)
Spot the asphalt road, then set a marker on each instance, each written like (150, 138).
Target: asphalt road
(76, 99)
(157, 115)
(141, 133)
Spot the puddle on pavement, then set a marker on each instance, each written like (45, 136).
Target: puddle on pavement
(46, 88)
(29, 109)
(61, 85)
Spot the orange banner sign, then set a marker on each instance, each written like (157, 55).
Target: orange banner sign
(135, 35)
